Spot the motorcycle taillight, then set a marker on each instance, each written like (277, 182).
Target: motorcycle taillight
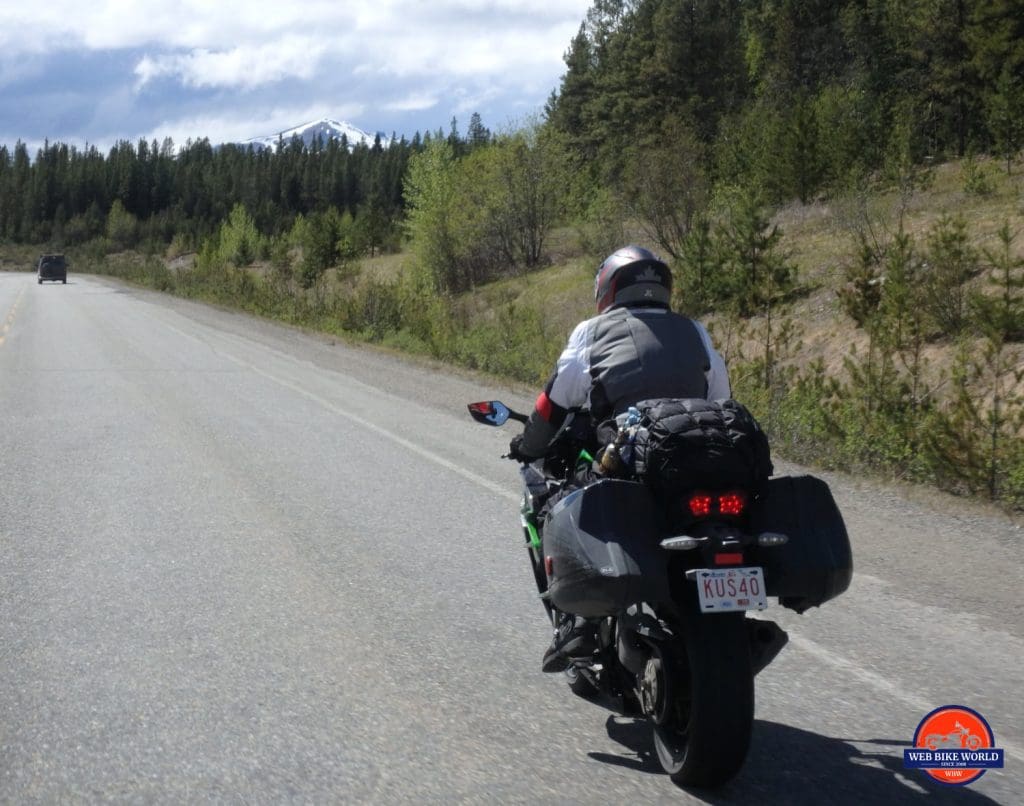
(700, 505)
(733, 503)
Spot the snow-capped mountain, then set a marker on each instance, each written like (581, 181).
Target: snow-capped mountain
(325, 128)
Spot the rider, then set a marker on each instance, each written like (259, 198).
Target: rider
(635, 349)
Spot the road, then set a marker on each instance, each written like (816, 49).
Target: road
(240, 563)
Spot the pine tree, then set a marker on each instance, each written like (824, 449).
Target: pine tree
(1004, 110)
(477, 134)
(951, 262)
(759, 274)
(1002, 310)
(759, 277)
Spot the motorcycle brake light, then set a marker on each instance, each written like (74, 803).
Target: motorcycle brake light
(732, 503)
(700, 505)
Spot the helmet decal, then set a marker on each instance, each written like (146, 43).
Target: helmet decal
(650, 276)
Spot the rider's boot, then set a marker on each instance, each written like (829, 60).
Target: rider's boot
(575, 639)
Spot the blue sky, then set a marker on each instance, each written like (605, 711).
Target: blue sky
(114, 69)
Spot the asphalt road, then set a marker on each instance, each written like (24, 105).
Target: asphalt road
(239, 563)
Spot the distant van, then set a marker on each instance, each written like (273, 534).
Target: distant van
(52, 267)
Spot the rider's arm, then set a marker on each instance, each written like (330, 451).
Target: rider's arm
(568, 388)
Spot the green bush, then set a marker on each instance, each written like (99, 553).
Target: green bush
(240, 243)
(1013, 486)
(122, 227)
(978, 179)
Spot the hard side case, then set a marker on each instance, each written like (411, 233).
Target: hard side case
(816, 564)
(603, 542)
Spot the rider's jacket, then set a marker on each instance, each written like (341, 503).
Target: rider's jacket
(620, 357)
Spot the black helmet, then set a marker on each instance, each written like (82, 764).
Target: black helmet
(632, 276)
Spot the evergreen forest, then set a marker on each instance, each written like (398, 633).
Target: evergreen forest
(712, 131)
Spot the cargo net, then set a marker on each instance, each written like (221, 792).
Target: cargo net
(682, 444)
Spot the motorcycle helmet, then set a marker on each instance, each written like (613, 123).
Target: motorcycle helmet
(632, 276)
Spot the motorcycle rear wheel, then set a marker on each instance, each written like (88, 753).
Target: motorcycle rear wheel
(705, 734)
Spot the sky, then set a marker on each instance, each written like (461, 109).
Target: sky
(111, 70)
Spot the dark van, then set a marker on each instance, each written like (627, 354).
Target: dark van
(52, 267)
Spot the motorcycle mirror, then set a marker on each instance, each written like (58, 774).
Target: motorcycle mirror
(490, 412)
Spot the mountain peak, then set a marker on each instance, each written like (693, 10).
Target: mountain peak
(325, 128)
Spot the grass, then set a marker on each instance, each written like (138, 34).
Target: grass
(19, 257)
(515, 327)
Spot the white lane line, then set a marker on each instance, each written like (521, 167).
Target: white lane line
(880, 683)
(872, 679)
(410, 446)
(419, 450)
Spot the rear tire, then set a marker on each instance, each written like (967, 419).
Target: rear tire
(703, 740)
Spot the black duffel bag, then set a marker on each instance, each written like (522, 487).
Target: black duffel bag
(690, 442)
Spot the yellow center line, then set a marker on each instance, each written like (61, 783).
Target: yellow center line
(10, 318)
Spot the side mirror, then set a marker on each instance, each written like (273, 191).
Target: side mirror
(490, 412)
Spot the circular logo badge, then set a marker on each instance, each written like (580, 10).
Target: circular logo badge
(955, 735)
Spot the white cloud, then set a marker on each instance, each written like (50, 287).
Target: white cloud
(415, 102)
(175, 24)
(444, 39)
(469, 102)
(203, 43)
(209, 24)
(244, 67)
(387, 59)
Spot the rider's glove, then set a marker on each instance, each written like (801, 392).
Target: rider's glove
(515, 452)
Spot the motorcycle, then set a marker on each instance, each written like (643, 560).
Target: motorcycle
(961, 738)
(668, 582)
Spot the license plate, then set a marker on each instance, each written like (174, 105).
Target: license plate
(728, 590)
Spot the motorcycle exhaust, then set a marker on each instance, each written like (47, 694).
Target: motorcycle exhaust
(634, 630)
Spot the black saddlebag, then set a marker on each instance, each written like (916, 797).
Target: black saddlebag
(603, 541)
(816, 564)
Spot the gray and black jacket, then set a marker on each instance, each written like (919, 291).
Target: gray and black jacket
(620, 357)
